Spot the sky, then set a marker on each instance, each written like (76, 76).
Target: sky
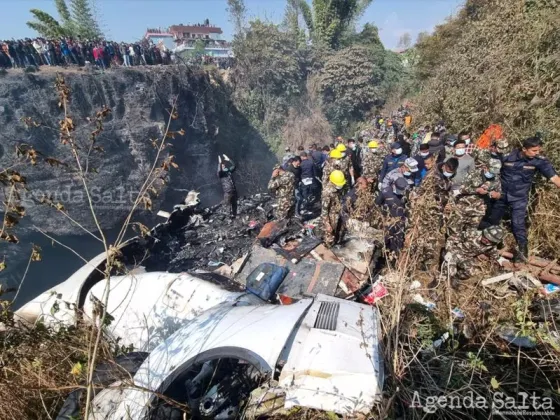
(127, 20)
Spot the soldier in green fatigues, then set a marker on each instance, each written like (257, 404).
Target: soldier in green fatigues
(335, 162)
(282, 184)
(463, 250)
(470, 202)
(372, 160)
(331, 206)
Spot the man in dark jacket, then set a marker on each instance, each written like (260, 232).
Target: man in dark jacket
(307, 179)
(355, 158)
(437, 146)
(394, 208)
(225, 173)
(294, 166)
(518, 171)
(392, 161)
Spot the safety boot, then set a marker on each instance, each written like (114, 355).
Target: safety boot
(522, 254)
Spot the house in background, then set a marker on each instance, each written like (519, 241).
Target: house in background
(160, 37)
(192, 38)
(202, 38)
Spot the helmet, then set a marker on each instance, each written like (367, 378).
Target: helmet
(502, 144)
(494, 234)
(337, 178)
(381, 121)
(335, 154)
(411, 164)
(341, 147)
(373, 144)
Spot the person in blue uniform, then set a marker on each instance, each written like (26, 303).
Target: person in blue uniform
(392, 161)
(518, 171)
(393, 206)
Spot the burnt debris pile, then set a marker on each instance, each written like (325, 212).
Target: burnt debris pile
(205, 239)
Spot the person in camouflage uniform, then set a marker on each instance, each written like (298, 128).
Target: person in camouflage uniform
(463, 250)
(331, 206)
(372, 160)
(335, 162)
(282, 184)
(497, 149)
(481, 186)
(425, 237)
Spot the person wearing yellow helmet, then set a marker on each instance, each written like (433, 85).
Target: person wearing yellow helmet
(335, 154)
(338, 179)
(333, 162)
(331, 206)
(372, 160)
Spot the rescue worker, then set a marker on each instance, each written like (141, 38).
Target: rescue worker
(462, 252)
(282, 184)
(355, 159)
(466, 137)
(335, 162)
(437, 146)
(517, 175)
(395, 212)
(225, 174)
(407, 171)
(425, 240)
(422, 154)
(497, 149)
(481, 187)
(346, 163)
(287, 156)
(466, 162)
(372, 161)
(307, 181)
(392, 161)
(331, 206)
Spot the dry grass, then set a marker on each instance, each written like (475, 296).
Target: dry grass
(40, 367)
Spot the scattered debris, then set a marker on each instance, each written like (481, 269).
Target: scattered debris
(513, 336)
(437, 343)
(419, 299)
(497, 279)
(458, 313)
(415, 285)
(374, 293)
(549, 289)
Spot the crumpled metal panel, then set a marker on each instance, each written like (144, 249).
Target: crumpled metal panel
(339, 370)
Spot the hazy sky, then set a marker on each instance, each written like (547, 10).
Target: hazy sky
(127, 20)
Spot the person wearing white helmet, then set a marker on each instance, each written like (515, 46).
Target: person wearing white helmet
(407, 171)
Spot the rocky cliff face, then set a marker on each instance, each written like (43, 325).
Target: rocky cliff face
(139, 100)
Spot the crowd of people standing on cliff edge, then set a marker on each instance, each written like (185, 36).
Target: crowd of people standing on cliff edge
(38, 52)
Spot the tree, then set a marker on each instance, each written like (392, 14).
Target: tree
(405, 41)
(422, 36)
(77, 23)
(46, 25)
(291, 22)
(237, 12)
(350, 85)
(327, 20)
(368, 37)
(267, 76)
(86, 25)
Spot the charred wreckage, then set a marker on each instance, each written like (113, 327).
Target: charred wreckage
(229, 317)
